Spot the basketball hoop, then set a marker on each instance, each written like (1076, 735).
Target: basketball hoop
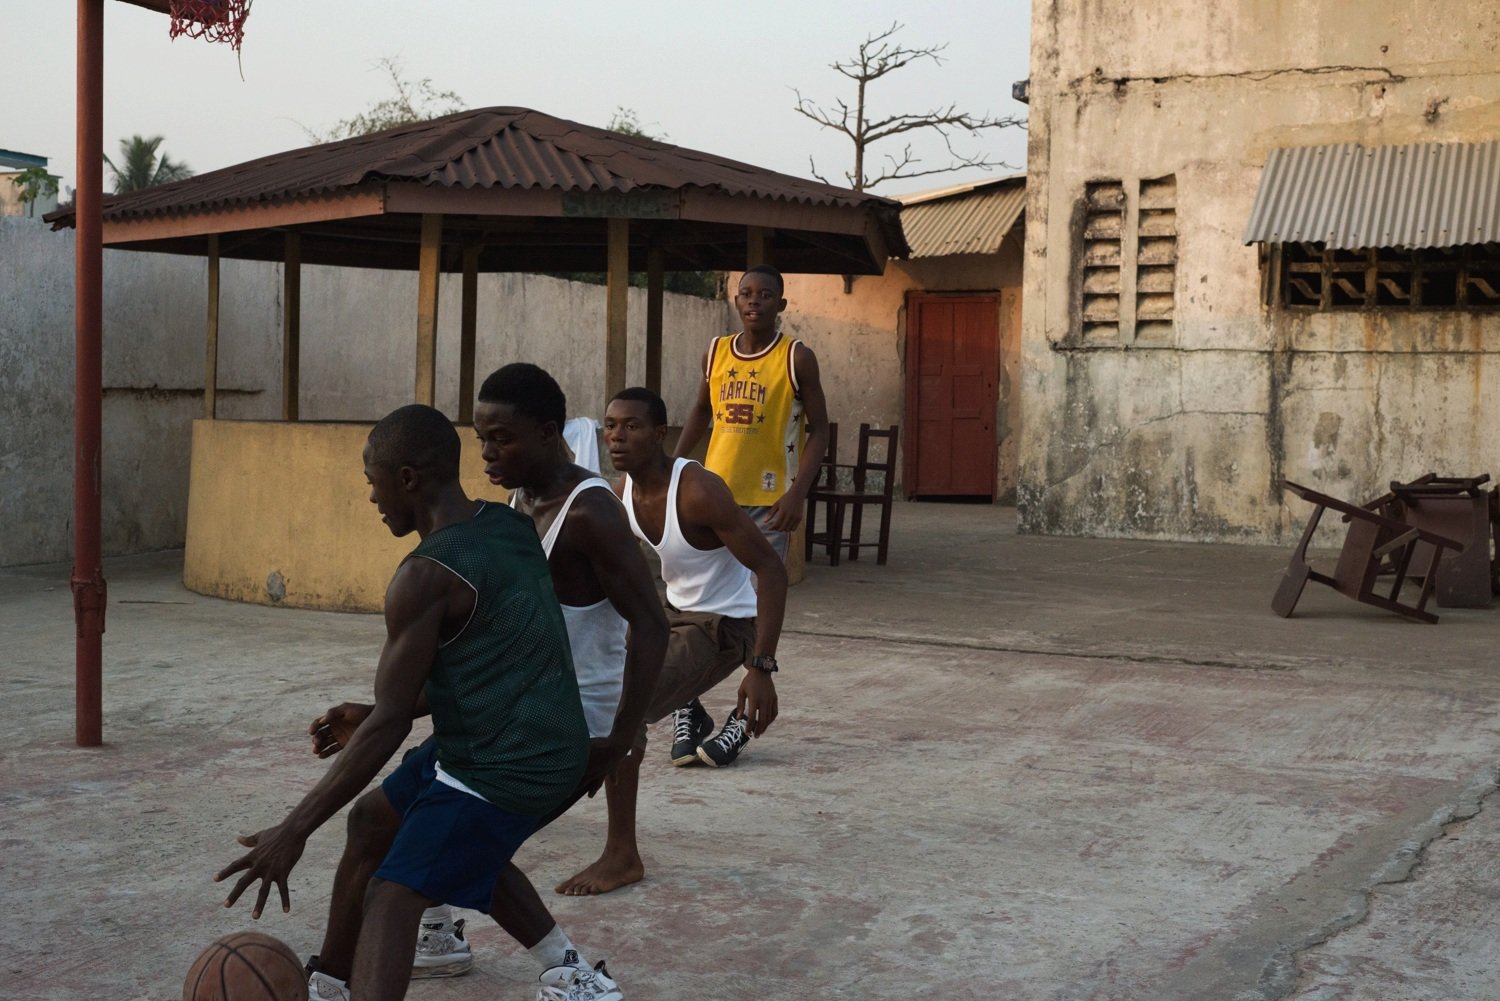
(214, 20)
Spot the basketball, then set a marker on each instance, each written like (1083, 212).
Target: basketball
(246, 966)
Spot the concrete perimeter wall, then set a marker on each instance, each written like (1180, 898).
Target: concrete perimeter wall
(1189, 435)
(358, 362)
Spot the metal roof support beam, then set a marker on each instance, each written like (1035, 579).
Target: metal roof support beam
(656, 281)
(428, 261)
(291, 327)
(468, 324)
(616, 302)
(211, 345)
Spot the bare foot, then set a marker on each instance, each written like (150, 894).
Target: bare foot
(609, 873)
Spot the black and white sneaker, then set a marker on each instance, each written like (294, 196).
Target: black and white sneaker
(691, 725)
(724, 748)
(441, 948)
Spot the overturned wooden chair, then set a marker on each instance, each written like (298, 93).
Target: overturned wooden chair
(1463, 509)
(1373, 539)
(839, 501)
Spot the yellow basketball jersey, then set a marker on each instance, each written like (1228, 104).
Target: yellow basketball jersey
(758, 429)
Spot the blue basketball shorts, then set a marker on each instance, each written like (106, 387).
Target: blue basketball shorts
(452, 846)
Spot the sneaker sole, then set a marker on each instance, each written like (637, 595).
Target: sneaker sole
(710, 762)
(454, 969)
(690, 759)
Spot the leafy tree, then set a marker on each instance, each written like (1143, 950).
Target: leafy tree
(141, 167)
(35, 183)
(412, 101)
(877, 56)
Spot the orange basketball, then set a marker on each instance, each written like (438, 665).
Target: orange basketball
(246, 966)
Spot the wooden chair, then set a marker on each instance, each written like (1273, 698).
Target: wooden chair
(1371, 538)
(1461, 508)
(852, 501)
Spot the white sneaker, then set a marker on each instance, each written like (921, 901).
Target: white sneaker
(442, 951)
(576, 983)
(322, 987)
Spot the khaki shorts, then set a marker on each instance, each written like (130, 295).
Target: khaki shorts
(702, 650)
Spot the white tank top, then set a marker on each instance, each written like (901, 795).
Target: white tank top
(596, 636)
(698, 580)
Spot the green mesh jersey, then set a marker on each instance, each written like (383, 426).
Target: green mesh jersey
(504, 698)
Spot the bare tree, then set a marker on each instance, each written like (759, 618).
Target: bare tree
(879, 55)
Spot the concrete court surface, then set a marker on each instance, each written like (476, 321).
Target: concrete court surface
(1006, 768)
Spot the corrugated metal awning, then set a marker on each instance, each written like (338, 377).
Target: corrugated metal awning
(968, 219)
(1350, 197)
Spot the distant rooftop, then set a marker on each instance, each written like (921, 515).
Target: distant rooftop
(971, 218)
(20, 161)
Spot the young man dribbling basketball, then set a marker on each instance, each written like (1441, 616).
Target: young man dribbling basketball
(474, 635)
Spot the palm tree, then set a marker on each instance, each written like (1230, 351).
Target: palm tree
(141, 168)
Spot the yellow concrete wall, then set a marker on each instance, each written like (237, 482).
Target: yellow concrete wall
(279, 514)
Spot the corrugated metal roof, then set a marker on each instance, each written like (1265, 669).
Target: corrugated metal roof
(512, 148)
(1351, 197)
(966, 219)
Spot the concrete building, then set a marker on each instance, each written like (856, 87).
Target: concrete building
(1179, 364)
(13, 166)
(931, 344)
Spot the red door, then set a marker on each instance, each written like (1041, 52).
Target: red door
(952, 366)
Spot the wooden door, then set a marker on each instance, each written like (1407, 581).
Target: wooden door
(952, 367)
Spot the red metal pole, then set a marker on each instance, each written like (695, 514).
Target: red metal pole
(88, 571)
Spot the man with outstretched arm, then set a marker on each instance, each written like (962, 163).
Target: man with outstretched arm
(473, 634)
(719, 623)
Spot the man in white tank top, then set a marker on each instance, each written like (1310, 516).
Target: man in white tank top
(605, 587)
(719, 623)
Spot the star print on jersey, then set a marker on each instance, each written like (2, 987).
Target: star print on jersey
(739, 399)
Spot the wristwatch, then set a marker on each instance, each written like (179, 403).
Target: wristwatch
(764, 662)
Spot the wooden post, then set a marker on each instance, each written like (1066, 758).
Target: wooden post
(291, 327)
(616, 305)
(211, 352)
(655, 284)
(757, 243)
(467, 324)
(427, 308)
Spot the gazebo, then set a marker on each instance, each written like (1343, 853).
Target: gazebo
(274, 510)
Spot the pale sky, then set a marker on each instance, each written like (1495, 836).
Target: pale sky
(715, 77)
